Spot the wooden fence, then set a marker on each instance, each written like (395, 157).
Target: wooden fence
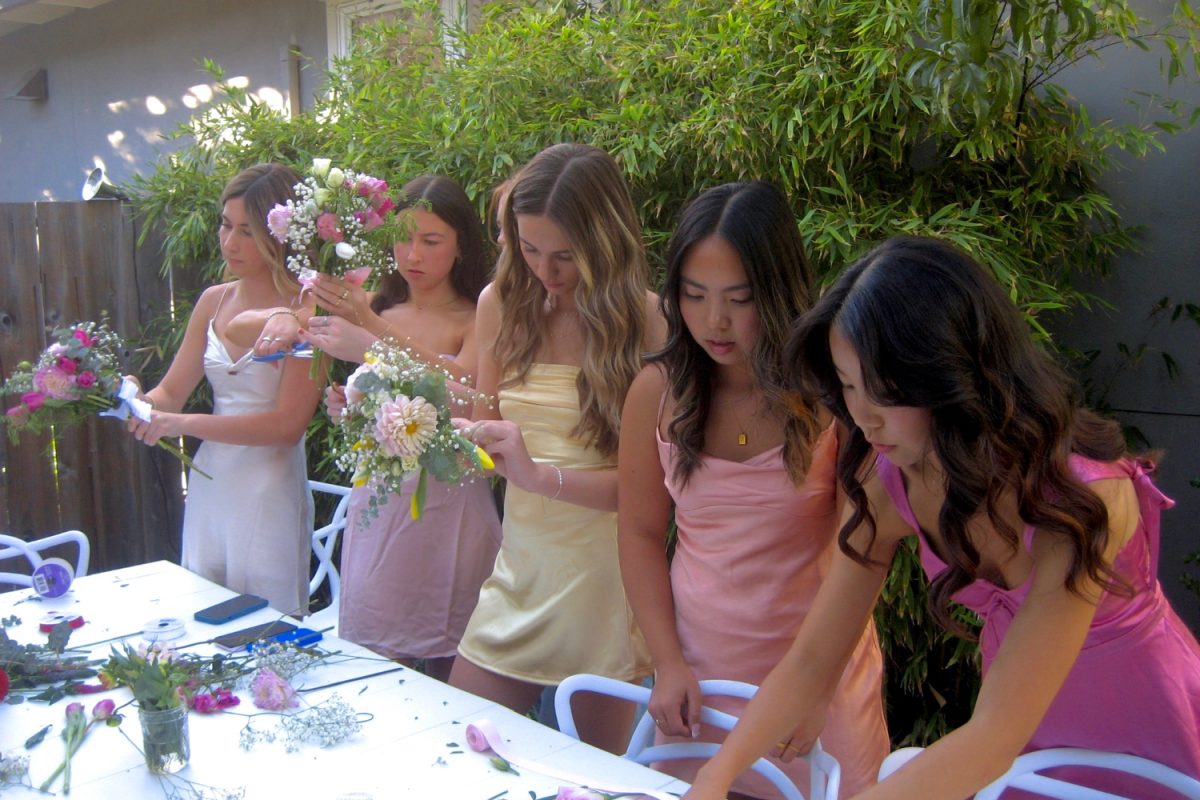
(61, 263)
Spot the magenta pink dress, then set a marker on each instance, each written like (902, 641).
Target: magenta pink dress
(1135, 687)
(409, 586)
(752, 551)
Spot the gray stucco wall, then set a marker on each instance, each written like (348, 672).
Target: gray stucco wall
(119, 77)
(1157, 192)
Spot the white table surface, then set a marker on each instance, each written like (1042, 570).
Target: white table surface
(414, 747)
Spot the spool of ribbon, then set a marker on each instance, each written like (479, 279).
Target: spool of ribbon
(482, 737)
(128, 403)
(50, 621)
(52, 578)
(165, 629)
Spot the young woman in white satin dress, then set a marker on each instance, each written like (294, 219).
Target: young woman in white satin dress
(247, 525)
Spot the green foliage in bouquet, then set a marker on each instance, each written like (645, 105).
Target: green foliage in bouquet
(878, 118)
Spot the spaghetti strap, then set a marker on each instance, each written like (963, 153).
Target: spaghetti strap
(217, 310)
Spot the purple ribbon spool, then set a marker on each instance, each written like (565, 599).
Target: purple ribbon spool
(52, 578)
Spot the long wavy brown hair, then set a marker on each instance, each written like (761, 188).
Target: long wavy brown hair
(580, 189)
(262, 187)
(754, 219)
(933, 330)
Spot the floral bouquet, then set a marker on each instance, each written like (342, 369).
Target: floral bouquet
(396, 423)
(341, 223)
(75, 377)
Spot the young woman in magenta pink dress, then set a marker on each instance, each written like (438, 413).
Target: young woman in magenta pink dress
(708, 430)
(1027, 508)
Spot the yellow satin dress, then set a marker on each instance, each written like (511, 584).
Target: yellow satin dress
(554, 604)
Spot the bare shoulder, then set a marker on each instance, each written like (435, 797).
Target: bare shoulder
(647, 387)
(890, 527)
(656, 323)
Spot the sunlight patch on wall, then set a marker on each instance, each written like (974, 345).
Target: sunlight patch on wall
(116, 138)
(117, 106)
(155, 106)
(197, 95)
(272, 98)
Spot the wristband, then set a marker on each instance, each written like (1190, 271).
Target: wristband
(557, 491)
(277, 312)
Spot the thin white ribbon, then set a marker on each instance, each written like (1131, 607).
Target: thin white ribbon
(129, 403)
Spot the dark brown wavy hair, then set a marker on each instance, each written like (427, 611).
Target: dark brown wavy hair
(446, 200)
(933, 330)
(755, 220)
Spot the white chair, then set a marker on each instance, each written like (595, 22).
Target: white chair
(12, 547)
(324, 541)
(825, 771)
(1023, 774)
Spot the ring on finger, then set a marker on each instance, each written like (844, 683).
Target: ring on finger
(345, 293)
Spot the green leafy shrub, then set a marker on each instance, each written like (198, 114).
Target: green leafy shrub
(878, 117)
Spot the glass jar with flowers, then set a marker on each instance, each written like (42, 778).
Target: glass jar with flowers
(158, 685)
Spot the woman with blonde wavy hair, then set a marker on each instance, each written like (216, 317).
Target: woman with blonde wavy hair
(562, 331)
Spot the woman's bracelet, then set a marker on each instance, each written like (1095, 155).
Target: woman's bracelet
(557, 491)
(279, 311)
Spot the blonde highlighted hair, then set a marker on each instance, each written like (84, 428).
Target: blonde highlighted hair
(260, 188)
(580, 189)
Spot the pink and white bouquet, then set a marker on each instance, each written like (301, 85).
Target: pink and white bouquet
(77, 376)
(341, 223)
(396, 423)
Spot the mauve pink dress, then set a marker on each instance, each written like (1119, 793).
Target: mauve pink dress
(1135, 687)
(753, 549)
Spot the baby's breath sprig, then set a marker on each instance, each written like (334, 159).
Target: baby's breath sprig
(328, 723)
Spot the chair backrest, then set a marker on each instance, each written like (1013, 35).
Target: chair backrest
(324, 541)
(12, 547)
(1023, 774)
(825, 771)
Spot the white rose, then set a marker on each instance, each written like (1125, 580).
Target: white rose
(320, 167)
(322, 197)
(344, 251)
(336, 179)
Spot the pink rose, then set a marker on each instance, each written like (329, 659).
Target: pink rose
(272, 692)
(33, 400)
(81, 336)
(384, 205)
(85, 379)
(67, 365)
(327, 227)
(357, 276)
(279, 219)
(74, 709)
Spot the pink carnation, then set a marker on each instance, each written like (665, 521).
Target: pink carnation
(327, 227)
(212, 702)
(279, 219)
(81, 336)
(33, 400)
(54, 383)
(67, 365)
(85, 379)
(384, 205)
(272, 692)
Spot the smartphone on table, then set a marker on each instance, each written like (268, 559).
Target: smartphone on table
(231, 609)
(236, 640)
